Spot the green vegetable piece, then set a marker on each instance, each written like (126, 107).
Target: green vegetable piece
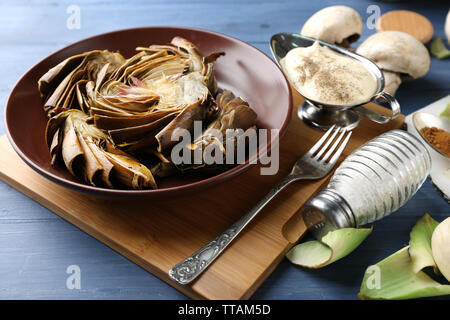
(400, 275)
(420, 244)
(446, 112)
(394, 278)
(438, 49)
(333, 246)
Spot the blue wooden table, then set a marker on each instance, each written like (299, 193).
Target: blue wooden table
(36, 246)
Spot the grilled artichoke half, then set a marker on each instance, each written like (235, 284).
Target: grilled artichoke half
(234, 113)
(87, 152)
(103, 109)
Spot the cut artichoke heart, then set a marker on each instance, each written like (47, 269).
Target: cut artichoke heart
(183, 91)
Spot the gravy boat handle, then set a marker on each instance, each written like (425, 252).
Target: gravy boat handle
(385, 98)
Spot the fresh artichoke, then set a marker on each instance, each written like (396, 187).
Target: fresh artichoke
(107, 114)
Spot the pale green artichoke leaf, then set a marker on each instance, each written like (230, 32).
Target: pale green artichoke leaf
(438, 49)
(334, 246)
(420, 244)
(394, 278)
(446, 112)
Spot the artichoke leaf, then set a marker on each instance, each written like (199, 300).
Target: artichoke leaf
(171, 70)
(88, 68)
(94, 110)
(91, 166)
(101, 76)
(212, 57)
(54, 124)
(420, 244)
(170, 49)
(130, 172)
(55, 147)
(196, 59)
(397, 280)
(438, 49)
(130, 134)
(52, 77)
(333, 246)
(183, 121)
(210, 79)
(138, 62)
(118, 122)
(446, 112)
(146, 143)
(235, 114)
(224, 97)
(145, 66)
(68, 97)
(105, 174)
(80, 91)
(164, 170)
(51, 105)
(401, 275)
(71, 149)
(117, 74)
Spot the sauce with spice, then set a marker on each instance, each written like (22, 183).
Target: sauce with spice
(326, 76)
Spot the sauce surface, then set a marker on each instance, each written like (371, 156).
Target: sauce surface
(326, 76)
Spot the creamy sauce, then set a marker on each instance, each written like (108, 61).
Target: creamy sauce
(326, 76)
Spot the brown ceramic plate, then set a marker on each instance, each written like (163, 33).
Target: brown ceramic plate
(244, 69)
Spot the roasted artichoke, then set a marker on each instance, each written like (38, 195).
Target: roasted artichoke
(111, 118)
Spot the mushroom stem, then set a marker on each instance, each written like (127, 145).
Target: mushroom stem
(392, 81)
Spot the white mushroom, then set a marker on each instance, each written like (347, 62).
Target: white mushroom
(336, 24)
(447, 27)
(399, 53)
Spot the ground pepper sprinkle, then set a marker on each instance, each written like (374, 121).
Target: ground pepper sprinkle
(439, 138)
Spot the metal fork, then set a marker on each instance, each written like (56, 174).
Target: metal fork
(311, 166)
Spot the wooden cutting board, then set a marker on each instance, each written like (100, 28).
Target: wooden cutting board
(158, 233)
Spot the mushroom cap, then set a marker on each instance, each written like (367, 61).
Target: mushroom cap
(333, 24)
(447, 27)
(398, 52)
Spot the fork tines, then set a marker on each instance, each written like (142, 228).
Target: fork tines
(324, 145)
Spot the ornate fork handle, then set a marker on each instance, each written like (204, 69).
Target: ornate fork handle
(187, 270)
